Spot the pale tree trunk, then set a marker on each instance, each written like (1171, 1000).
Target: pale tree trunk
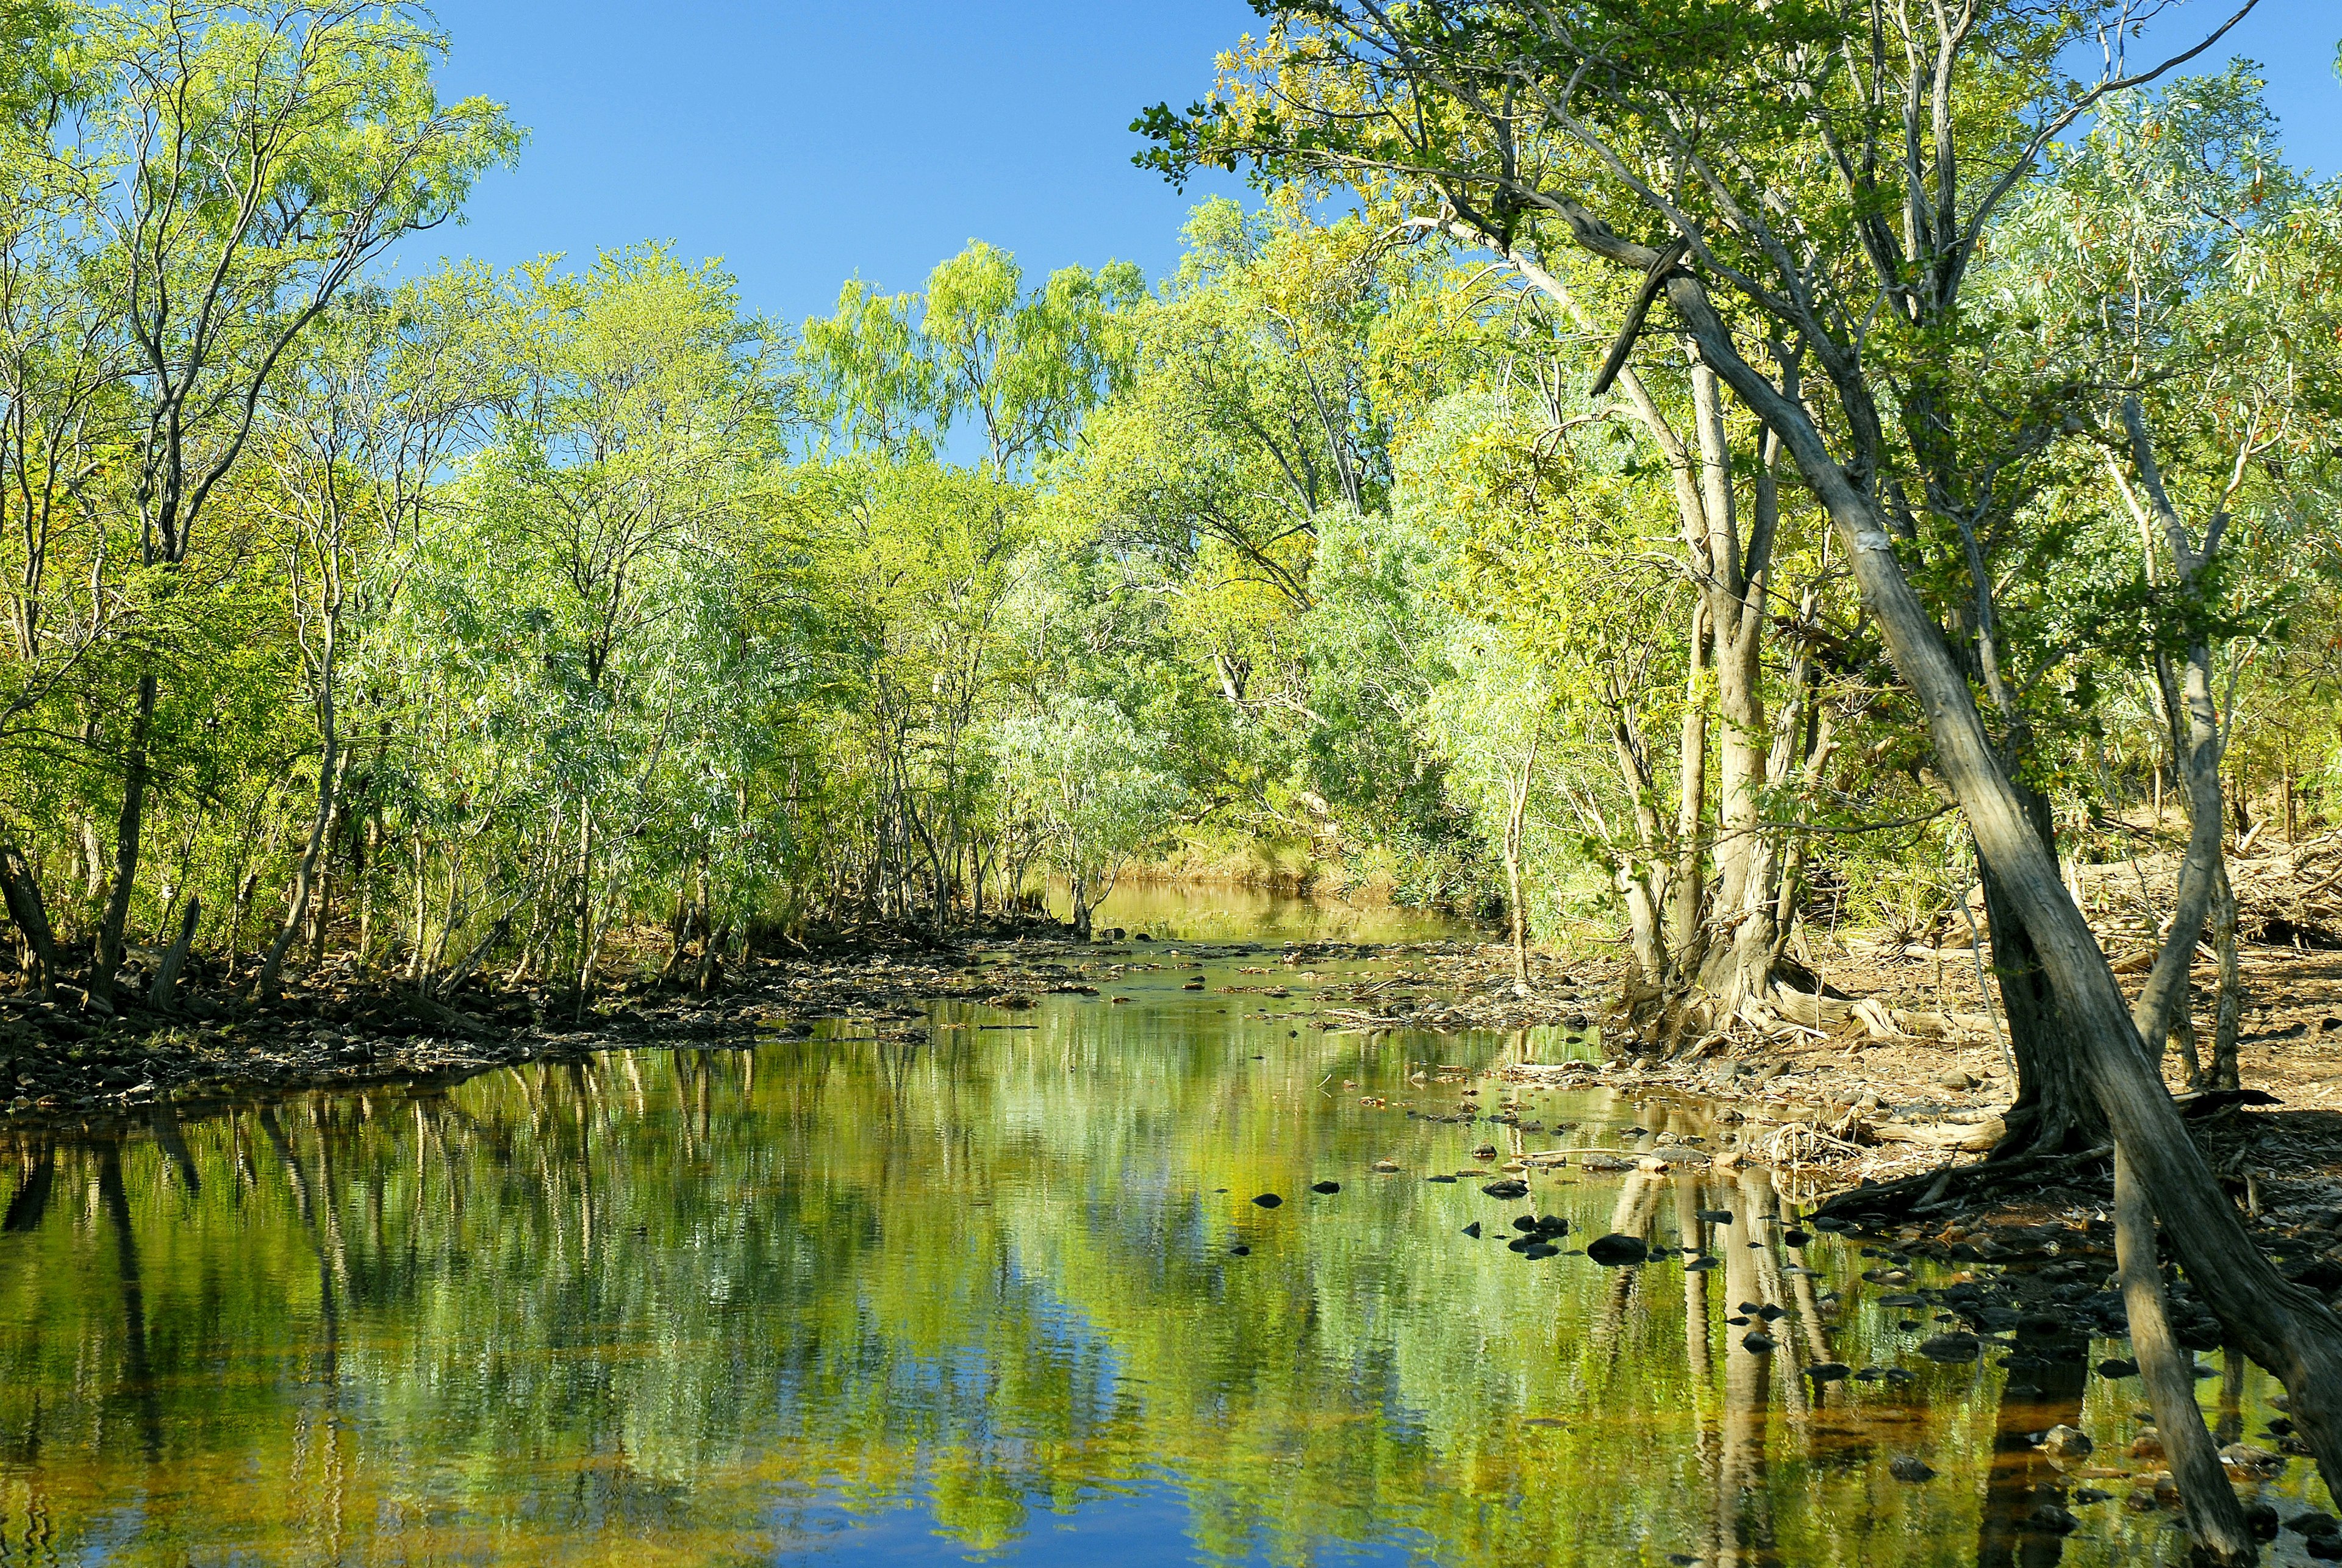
(1516, 817)
(1688, 887)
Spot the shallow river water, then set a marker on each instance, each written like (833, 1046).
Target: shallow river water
(991, 1288)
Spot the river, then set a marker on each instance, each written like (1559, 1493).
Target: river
(995, 1290)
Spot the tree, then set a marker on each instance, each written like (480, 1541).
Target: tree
(1829, 178)
(254, 159)
(1095, 786)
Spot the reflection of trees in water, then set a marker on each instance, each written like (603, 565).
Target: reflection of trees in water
(695, 1292)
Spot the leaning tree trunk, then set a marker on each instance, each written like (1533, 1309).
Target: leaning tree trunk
(2280, 1324)
(22, 892)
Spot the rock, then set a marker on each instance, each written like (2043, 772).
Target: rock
(1472, 1230)
(1326, 1187)
(1716, 1216)
(2063, 1442)
(1951, 1347)
(1507, 1189)
(1904, 1467)
(1485, 1151)
(1829, 1371)
(2114, 1366)
(2051, 1520)
(1240, 1250)
(2261, 1520)
(1756, 1342)
(2089, 1494)
(2325, 1548)
(1796, 1238)
(1651, 1168)
(1960, 1080)
(2146, 1446)
(1615, 1250)
(1269, 1201)
(2245, 1456)
(1385, 1167)
(2314, 1524)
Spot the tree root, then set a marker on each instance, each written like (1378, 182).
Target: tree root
(1953, 1186)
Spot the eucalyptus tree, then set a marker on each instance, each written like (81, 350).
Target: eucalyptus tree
(356, 441)
(2174, 265)
(642, 409)
(896, 374)
(256, 158)
(1097, 788)
(1807, 189)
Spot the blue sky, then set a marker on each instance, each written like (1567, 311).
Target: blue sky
(807, 143)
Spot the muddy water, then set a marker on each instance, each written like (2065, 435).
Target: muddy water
(996, 1290)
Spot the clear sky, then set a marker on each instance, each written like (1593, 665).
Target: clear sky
(807, 142)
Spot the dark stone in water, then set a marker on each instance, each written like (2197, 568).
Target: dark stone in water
(1716, 1216)
(2325, 1548)
(1613, 1252)
(1241, 1250)
(2261, 1520)
(1740, 1320)
(1507, 1189)
(1829, 1371)
(1268, 1201)
(1325, 1187)
(1796, 1238)
(1904, 1467)
(1768, 1312)
(1952, 1347)
(2089, 1494)
(2118, 1366)
(2051, 1520)
(1449, 1180)
(1472, 1230)
(2314, 1524)
(1694, 1267)
(1758, 1343)
(1525, 1222)
(1552, 1225)
(1539, 1250)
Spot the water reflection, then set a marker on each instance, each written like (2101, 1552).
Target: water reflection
(850, 1300)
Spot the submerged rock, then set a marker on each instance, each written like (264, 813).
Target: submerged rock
(1615, 1252)
(1952, 1347)
(1269, 1201)
(1906, 1467)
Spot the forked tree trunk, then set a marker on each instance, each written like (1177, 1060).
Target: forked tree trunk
(128, 830)
(162, 993)
(304, 873)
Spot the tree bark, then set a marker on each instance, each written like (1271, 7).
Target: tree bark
(22, 892)
(127, 834)
(304, 871)
(162, 994)
(2054, 1112)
